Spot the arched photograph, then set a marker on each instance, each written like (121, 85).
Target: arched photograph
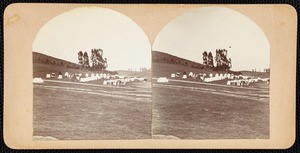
(172, 76)
(211, 75)
(91, 77)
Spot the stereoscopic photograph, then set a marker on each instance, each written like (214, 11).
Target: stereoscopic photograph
(91, 77)
(211, 77)
(149, 76)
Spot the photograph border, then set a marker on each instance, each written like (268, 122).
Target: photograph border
(118, 143)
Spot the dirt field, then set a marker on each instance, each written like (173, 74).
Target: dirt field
(207, 111)
(76, 111)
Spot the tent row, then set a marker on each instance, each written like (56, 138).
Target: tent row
(107, 78)
(246, 82)
(205, 77)
(123, 81)
(77, 76)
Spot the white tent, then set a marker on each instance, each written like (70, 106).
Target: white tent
(66, 74)
(114, 82)
(162, 80)
(221, 76)
(202, 78)
(104, 82)
(208, 79)
(121, 76)
(38, 80)
(228, 82)
(59, 77)
(48, 76)
(141, 79)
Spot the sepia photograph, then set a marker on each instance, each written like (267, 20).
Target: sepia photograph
(91, 77)
(211, 77)
(155, 76)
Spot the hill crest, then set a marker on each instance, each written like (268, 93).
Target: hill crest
(160, 57)
(43, 64)
(166, 62)
(46, 59)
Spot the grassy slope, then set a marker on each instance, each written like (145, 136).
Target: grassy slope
(68, 115)
(65, 114)
(195, 114)
(40, 70)
(161, 57)
(165, 70)
(42, 58)
(54, 65)
(162, 65)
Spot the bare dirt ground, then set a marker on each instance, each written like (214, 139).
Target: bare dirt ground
(70, 111)
(207, 111)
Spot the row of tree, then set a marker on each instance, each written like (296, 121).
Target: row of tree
(98, 63)
(222, 62)
(208, 59)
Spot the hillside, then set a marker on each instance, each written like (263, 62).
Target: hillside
(164, 64)
(165, 69)
(45, 59)
(160, 57)
(44, 64)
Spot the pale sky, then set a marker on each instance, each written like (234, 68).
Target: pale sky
(124, 43)
(210, 28)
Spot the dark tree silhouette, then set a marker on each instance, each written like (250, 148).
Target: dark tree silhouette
(204, 56)
(222, 62)
(97, 61)
(80, 58)
(93, 58)
(105, 64)
(210, 60)
(86, 60)
(218, 58)
(100, 60)
(229, 63)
